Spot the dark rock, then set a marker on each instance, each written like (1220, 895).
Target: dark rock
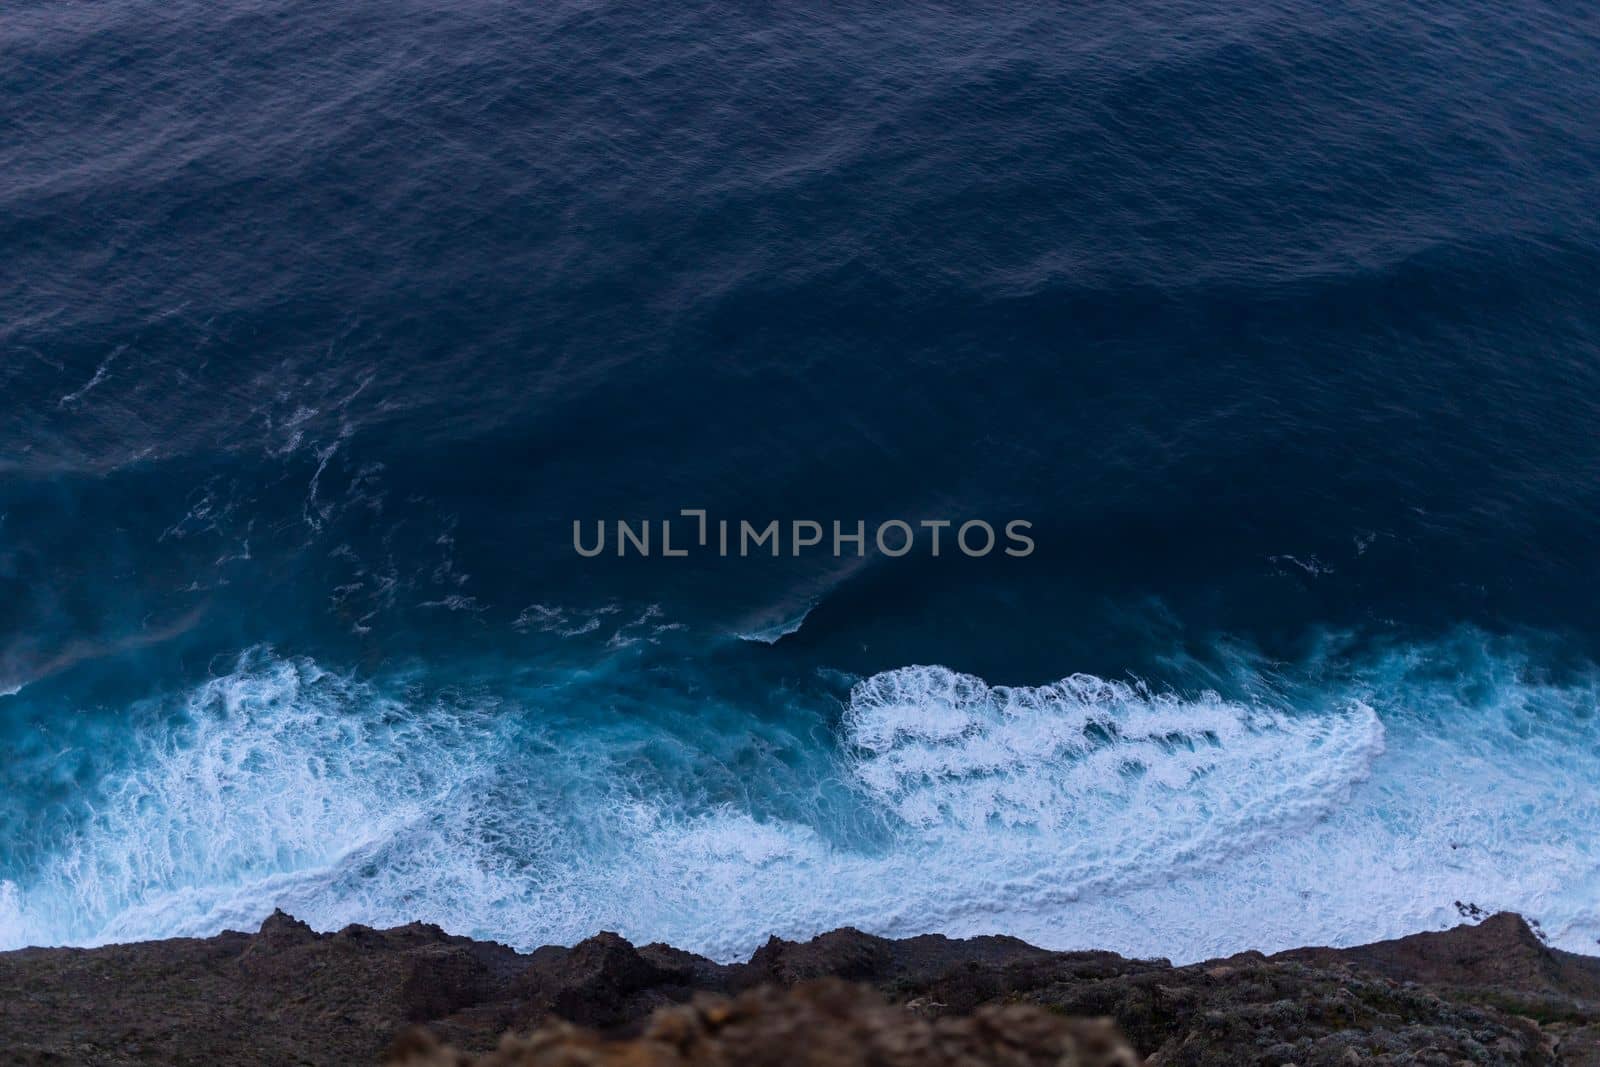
(842, 953)
(281, 930)
(1501, 952)
(849, 953)
(603, 981)
(443, 980)
(697, 971)
(1488, 994)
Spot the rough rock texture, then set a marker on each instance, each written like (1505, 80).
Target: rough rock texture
(1487, 994)
(823, 1023)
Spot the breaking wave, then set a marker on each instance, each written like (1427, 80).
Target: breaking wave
(1089, 812)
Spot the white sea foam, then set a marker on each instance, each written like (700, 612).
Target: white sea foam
(276, 774)
(1084, 813)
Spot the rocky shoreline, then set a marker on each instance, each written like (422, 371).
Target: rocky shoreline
(1491, 993)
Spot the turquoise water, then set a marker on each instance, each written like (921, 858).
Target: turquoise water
(1085, 812)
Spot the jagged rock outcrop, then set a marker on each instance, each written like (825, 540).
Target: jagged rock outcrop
(1487, 994)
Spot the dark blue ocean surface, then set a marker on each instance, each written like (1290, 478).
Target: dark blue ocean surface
(321, 323)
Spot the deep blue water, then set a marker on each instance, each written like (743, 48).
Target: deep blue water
(320, 324)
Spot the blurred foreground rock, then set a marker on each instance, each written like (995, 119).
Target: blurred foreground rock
(824, 1023)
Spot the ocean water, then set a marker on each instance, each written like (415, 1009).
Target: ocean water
(321, 324)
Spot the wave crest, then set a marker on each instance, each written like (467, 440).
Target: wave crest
(1085, 813)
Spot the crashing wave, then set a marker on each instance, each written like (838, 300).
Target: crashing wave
(1084, 813)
